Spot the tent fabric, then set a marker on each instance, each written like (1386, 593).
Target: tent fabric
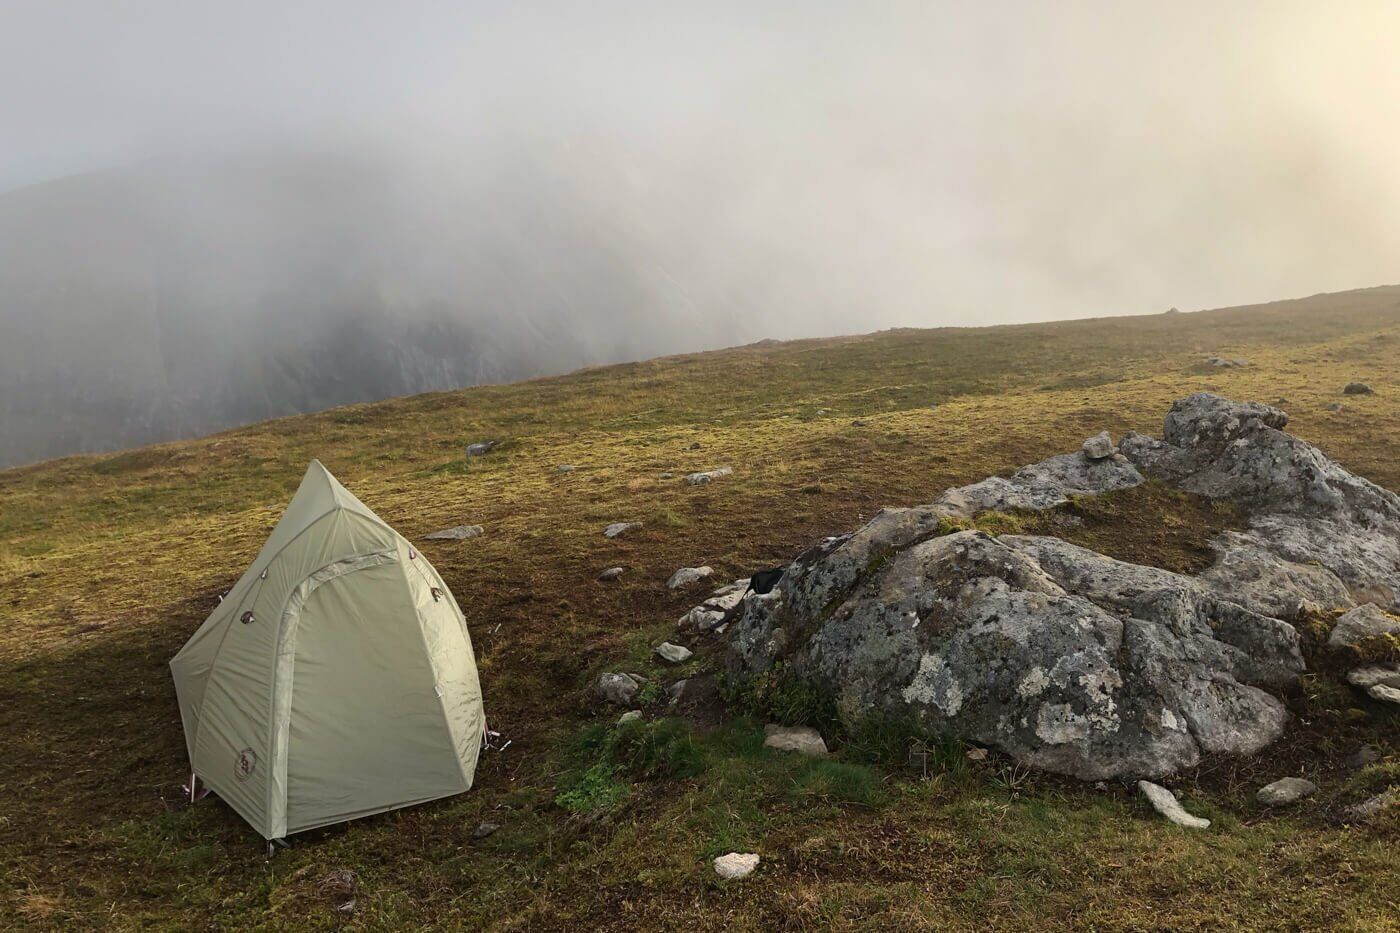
(336, 679)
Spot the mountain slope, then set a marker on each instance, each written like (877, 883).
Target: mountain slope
(171, 300)
(107, 563)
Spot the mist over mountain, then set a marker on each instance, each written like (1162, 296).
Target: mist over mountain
(176, 299)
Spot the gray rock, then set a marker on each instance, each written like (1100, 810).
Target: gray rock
(1099, 447)
(1285, 791)
(667, 476)
(1246, 571)
(859, 423)
(688, 576)
(1358, 388)
(1165, 803)
(457, 533)
(674, 654)
(736, 865)
(1041, 485)
(620, 528)
(700, 619)
(1304, 508)
(481, 448)
(1109, 670)
(632, 715)
(702, 479)
(1375, 675)
(618, 689)
(612, 573)
(1220, 362)
(801, 739)
(1336, 407)
(485, 829)
(1368, 810)
(566, 468)
(1384, 693)
(727, 597)
(1360, 626)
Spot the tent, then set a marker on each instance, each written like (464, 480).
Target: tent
(336, 679)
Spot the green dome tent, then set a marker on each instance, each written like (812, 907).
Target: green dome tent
(336, 679)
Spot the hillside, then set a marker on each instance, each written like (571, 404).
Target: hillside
(107, 563)
(168, 300)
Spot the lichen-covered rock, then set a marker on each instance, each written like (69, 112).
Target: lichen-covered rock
(709, 476)
(1064, 658)
(1099, 446)
(1375, 675)
(1042, 485)
(1110, 673)
(672, 653)
(617, 529)
(804, 740)
(459, 533)
(1361, 625)
(1304, 507)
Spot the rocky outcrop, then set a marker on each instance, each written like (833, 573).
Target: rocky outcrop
(1062, 657)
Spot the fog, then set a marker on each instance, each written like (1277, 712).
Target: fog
(575, 183)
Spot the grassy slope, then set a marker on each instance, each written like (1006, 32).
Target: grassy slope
(108, 563)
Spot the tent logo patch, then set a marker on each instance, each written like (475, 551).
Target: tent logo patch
(246, 764)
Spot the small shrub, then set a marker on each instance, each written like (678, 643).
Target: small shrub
(594, 789)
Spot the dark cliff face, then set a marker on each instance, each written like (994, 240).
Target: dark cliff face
(166, 302)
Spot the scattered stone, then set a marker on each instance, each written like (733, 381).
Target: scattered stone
(859, 423)
(1384, 693)
(1361, 625)
(700, 619)
(485, 829)
(1165, 803)
(976, 754)
(727, 597)
(736, 865)
(674, 654)
(688, 576)
(620, 528)
(459, 533)
(1358, 388)
(618, 689)
(695, 446)
(1285, 791)
(1099, 446)
(632, 715)
(1374, 675)
(823, 411)
(1367, 811)
(668, 476)
(566, 468)
(702, 479)
(801, 739)
(481, 449)
(612, 573)
(1220, 362)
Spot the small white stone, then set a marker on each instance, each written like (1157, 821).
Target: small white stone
(1284, 791)
(632, 715)
(736, 865)
(688, 576)
(675, 654)
(620, 528)
(1384, 693)
(1165, 803)
(801, 739)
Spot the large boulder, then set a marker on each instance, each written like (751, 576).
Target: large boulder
(1067, 659)
(1115, 673)
(1306, 510)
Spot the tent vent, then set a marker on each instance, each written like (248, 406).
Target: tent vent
(437, 594)
(246, 617)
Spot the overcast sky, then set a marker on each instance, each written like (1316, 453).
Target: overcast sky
(847, 165)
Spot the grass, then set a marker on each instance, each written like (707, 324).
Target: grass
(108, 563)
